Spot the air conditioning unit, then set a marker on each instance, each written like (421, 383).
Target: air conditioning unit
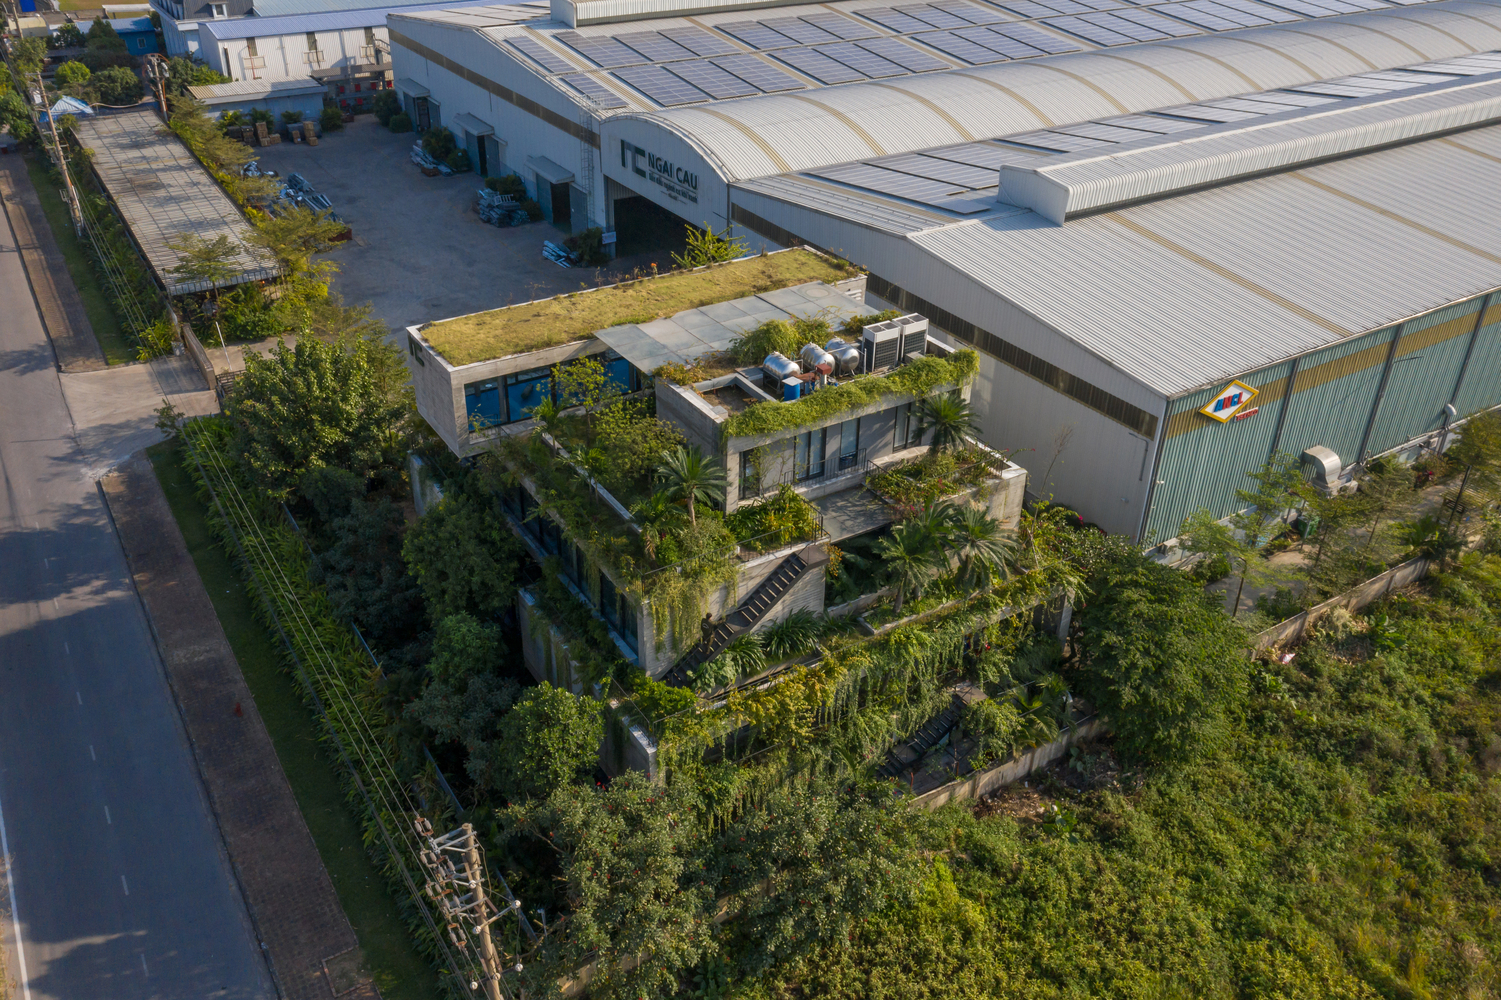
(914, 334)
(880, 346)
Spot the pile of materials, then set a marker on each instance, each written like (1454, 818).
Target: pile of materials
(430, 166)
(558, 255)
(501, 209)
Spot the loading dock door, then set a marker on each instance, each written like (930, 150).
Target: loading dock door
(562, 206)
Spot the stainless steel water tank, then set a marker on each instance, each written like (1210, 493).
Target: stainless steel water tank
(815, 358)
(777, 368)
(846, 355)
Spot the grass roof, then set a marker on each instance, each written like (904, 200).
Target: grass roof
(564, 319)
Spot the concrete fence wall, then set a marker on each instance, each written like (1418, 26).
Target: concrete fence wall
(198, 354)
(1354, 599)
(981, 783)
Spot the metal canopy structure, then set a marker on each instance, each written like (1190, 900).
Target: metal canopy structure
(162, 191)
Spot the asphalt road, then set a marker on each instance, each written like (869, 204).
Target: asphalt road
(119, 886)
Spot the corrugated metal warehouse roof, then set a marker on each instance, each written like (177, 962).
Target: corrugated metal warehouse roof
(770, 95)
(1186, 291)
(287, 8)
(343, 20)
(218, 93)
(772, 134)
(163, 192)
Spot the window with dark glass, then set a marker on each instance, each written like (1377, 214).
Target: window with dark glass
(609, 601)
(549, 535)
(525, 391)
(849, 443)
(510, 501)
(619, 372)
(627, 628)
(482, 403)
(907, 434)
(807, 459)
(750, 482)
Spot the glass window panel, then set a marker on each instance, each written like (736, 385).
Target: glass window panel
(525, 391)
(482, 403)
(609, 601)
(849, 443)
(627, 627)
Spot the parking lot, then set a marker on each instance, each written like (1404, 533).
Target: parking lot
(419, 251)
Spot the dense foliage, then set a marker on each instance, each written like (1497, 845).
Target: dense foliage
(318, 404)
(1341, 843)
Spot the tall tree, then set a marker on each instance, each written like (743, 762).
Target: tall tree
(912, 557)
(691, 478)
(982, 550)
(465, 559)
(313, 405)
(948, 417)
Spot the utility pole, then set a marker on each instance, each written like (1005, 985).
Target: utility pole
(62, 162)
(460, 896)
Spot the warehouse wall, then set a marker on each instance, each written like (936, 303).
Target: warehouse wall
(520, 132)
(1334, 398)
(1481, 387)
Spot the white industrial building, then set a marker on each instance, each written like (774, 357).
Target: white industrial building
(1285, 208)
(188, 25)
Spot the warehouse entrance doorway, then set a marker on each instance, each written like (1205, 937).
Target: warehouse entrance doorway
(562, 206)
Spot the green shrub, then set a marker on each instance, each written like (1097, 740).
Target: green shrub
(386, 106)
(458, 160)
(510, 184)
(773, 521)
(71, 73)
(995, 727)
(400, 123)
(331, 119)
(589, 245)
(438, 143)
(259, 115)
(118, 86)
(232, 117)
(291, 117)
(532, 209)
(773, 335)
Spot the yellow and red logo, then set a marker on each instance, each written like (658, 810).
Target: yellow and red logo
(1230, 400)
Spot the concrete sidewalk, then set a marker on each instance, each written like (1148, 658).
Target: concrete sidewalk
(292, 901)
(114, 411)
(63, 315)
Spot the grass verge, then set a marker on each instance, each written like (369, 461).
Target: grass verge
(532, 326)
(400, 972)
(112, 339)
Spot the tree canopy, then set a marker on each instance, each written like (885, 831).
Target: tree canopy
(1160, 658)
(316, 404)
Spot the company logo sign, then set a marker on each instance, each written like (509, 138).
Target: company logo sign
(679, 183)
(1230, 400)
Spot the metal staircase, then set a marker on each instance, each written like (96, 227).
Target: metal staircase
(928, 735)
(746, 614)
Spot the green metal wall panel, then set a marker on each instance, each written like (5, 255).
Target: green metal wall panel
(1332, 401)
(1481, 388)
(1204, 462)
(1424, 374)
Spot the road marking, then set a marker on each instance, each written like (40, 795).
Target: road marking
(144, 971)
(54, 605)
(15, 914)
(125, 885)
(106, 816)
(69, 650)
(92, 754)
(79, 696)
(45, 563)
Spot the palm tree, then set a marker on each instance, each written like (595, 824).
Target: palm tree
(949, 417)
(690, 478)
(912, 556)
(980, 548)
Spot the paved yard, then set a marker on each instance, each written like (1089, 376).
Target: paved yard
(419, 251)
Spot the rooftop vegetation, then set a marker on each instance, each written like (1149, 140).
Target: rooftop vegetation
(938, 474)
(564, 319)
(919, 378)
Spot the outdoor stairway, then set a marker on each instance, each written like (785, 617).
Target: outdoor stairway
(745, 616)
(928, 735)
